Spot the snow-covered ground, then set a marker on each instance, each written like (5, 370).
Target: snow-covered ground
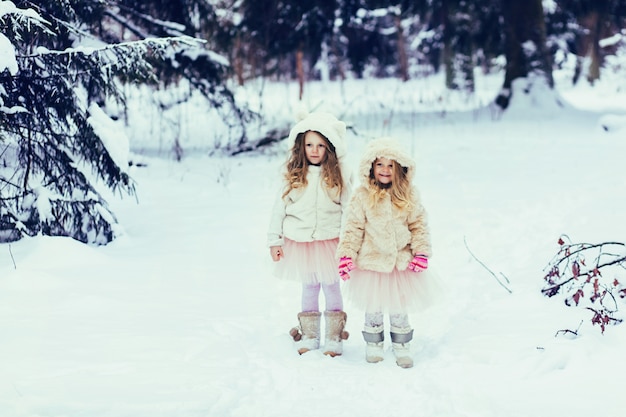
(180, 316)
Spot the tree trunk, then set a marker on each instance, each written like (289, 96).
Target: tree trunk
(594, 48)
(238, 63)
(525, 45)
(447, 52)
(338, 59)
(457, 45)
(402, 57)
(464, 47)
(300, 71)
(597, 24)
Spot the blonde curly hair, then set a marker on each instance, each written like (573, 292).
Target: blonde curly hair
(400, 190)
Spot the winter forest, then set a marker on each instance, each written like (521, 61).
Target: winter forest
(71, 68)
(140, 149)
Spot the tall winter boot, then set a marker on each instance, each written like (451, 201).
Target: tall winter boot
(308, 333)
(335, 333)
(374, 343)
(400, 338)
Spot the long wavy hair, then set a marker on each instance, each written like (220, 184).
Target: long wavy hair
(298, 167)
(400, 188)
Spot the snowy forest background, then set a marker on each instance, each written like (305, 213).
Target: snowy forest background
(72, 72)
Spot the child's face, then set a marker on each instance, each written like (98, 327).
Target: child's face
(383, 170)
(314, 147)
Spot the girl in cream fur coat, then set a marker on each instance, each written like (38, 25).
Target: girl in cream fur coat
(305, 225)
(384, 249)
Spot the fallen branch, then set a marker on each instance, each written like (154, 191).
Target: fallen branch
(12, 258)
(566, 331)
(487, 268)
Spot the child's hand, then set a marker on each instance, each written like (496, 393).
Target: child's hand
(345, 266)
(419, 263)
(277, 253)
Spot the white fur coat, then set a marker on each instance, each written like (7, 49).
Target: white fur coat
(309, 213)
(382, 237)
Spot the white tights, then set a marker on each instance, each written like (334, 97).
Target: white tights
(400, 320)
(311, 294)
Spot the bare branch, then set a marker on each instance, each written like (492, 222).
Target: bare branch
(489, 270)
(582, 273)
(566, 255)
(12, 258)
(566, 331)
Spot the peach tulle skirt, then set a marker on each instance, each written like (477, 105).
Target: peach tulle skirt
(309, 262)
(395, 292)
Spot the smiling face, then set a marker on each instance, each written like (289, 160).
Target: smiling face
(383, 171)
(315, 147)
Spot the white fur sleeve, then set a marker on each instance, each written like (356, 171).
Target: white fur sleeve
(275, 230)
(420, 234)
(353, 229)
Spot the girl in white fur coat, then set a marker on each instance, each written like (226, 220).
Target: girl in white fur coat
(305, 225)
(384, 249)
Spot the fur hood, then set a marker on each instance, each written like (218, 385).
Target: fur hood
(325, 123)
(384, 148)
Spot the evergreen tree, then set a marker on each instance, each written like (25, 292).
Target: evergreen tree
(279, 29)
(53, 155)
(204, 70)
(459, 34)
(375, 33)
(578, 26)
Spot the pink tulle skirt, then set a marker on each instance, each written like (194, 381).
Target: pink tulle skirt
(309, 262)
(395, 292)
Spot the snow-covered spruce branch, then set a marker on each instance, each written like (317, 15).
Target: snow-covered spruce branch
(11, 11)
(576, 271)
(173, 28)
(140, 44)
(127, 24)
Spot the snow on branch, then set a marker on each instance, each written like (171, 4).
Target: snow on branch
(7, 52)
(173, 28)
(8, 7)
(139, 44)
(19, 17)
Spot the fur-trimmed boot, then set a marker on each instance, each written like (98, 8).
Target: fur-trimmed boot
(374, 343)
(335, 333)
(400, 339)
(308, 333)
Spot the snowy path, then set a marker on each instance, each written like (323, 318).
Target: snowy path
(180, 317)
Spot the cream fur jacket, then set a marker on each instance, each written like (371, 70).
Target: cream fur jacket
(382, 237)
(310, 213)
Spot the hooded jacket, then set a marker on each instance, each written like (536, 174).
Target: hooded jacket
(380, 237)
(313, 212)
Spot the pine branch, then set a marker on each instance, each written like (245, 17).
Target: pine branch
(12, 258)
(174, 29)
(124, 46)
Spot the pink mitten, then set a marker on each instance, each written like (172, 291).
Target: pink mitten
(345, 266)
(419, 263)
